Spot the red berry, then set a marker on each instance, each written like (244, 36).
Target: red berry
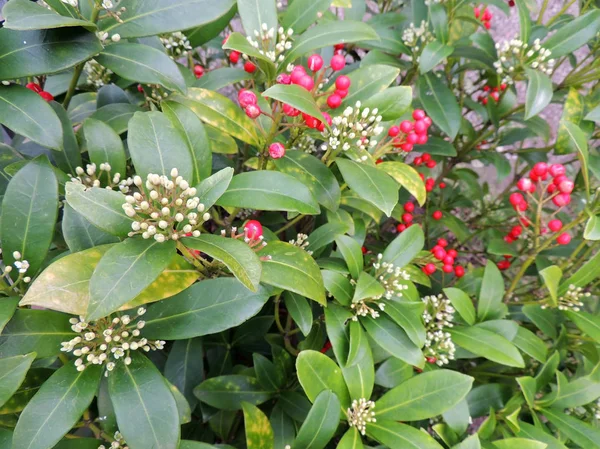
(503, 265)
(511, 3)
(487, 26)
(419, 114)
(307, 82)
(363, 249)
(515, 199)
(477, 12)
(338, 62)
(551, 188)
(406, 126)
(437, 215)
(296, 76)
(426, 157)
(407, 218)
(327, 118)
(442, 242)
(484, 101)
(252, 111)
(559, 178)
(442, 185)
(516, 231)
(140, 88)
(453, 253)
(246, 98)
(400, 227)
(429, 268)
(342, 82)
(447, 268)
(494, 95)
(290, 111)
(276, 150)
(420, 127)
(524, 184)
(487, 15)
(34, 87)
(284, 78)
(315, 62)
(234, 56)
(555, 225)
(431, 164)
(448, 260)
(394, 131)
(540, 169)
(563, 239)
(556, 170)
(406, 147)
(566, 186)
(198, 71)
(418, 160)
(46, 95)
(427, 121)
(334, 101)
(310, 121)
(341, 93)
(509, 239)
(378, 161)
(338, 46)
(253, 229)
(412, 138)
(249, 67)
(439, 254)
(409, 207)
(459, 271)
(562, 199)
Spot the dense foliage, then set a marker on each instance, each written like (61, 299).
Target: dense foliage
(345, 226)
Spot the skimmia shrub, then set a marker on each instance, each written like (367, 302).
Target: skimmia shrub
(299, 225)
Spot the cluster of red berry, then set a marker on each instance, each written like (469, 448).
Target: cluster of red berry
(410, 133)
(41, 92)
(505, 263)
(485, 16)
(551, 183)
(408, 216)
(249, 103)
(447, 257)
(493, 92)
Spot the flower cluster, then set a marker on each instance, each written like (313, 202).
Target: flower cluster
(301, 241)
(267, 45)
(177, 44)
(118, 443)
(108, 340)
(438, 316)
(572, 299)
(514, 55)
(168, 211)
(97, 74)
(21, 265)
(416, 38)
(90, 178)
(360, 414)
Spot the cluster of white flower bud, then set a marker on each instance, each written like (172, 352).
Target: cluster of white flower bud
(305, 143)
(301, 241)
(390, 277)
(355, 129)
(438, 316)
(118, 443)
(572, 299)
(21, 265)
(416, 38)
(360, 414)
(265, 40)
(177, 44)
(108, 340)
(515, 55)
(169, 210)
(361, 308)
(97, 74)
(90, 177)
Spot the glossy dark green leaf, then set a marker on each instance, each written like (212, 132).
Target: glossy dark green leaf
(317, 373)
(70, 157)
(579, 432)
(105, 145)
(222, 77)
(80, 234)
(521, 443)
(185, 367)
(592, 228)
(321, 423)
(296, 96)
(259, 432)
(303, 13)
(237, 41)
(391, 103)
(56, 407)
(408, 315)
(434, 53)
(404, 247)
(524, 20)
(440, 104)
(101, 207)
(192, 130)
(367, 287)
(393, 372)
(124, 272)
(352, 254)
(145, 407)
(338, 285)
(142, 18)
(535, 433)
(530, 344)
(211, 188)
(284, 429)
(26, 15)
(27, 114)
(359, 373)
(29, 53)
(574, 34)
(229, 392)
(205, 308)
(539, 93)
(490, 305)
(12, 374)
(116, 115)
(487, 344)
(583, 276)
(351, 440)
(462, 303)
(336, 321)
(7, 310)
(29, 211)
(407, 177)
(293, 269)
(588, 323)
(300, 310)
(395, 434)
(368, 81)
(255, 13)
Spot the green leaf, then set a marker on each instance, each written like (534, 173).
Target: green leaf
(64, 285)
(26, 15)
(462, 303)
(142, 18)
(56, 407)
(300, 310)
(351, 440)
(594, 114)
(580, 433)
(211, 188)
(185, 367)
(589, 324)
(142, 63)
(237, 41)
(220, 142)
(408, 315)
(368, 81)
(433, 54)
(390, 40)
(424, 396)
(303, 13)
(259, 433)
(371, 184)
(116, 115)
(521, 443)
(234, 254)
(578, 143)
(336, 321)
(7, 310)
(327, 34)
(101, 207)
(255, 13)
(222, 77)
(398, 435)
(490, 305)
(284, 428)
(230, 392)
(582, 277)
(440, 104)
(404, 247)
(124, 272)
(12, 374)
(297, 97)
(29, 211)
(156, 146)
(205, 308)
(393, 372)
(487, 344)
(407, 177)
(531, 344)
(592, 228)
(393, 339)
(269, 376)
(524, 20)
(41, 52)
(352, 254)
(146, 410)
(359, 373)
(367, 287)
(321, 423)
(552, 276)
(391, 103)
(27, 114)
(573, 111)
(194, 134)
(471, 442)
(105, 145)
(293, 269)
(318, 373)
(573, 35)
(220, 112)
(539, 93)
(534, 433)
(314, 174)
(70, 157)
(39, 331)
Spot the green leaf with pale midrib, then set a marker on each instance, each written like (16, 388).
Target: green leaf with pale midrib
(12, 373)
(26, 15)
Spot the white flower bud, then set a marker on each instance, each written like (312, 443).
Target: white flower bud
(174, 172)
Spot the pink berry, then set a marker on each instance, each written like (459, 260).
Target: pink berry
(327, 118)
(234, 56)
(562, 199)
(427, 121)
(447, 268)
(276, 150)
(334, 101)
(516, 199)
(252, 111)
(566, 186)
(524, 184)
(540, 169)
(563, 239)
(555, 225)
(419, 114)
(315, 62)
(246, 98)
(290, 111)
(297, 74)
(342, 93)
(338, 62)
(253, 229)
(556, 170)
(284, 78)
(342, 82)
(307, 82)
